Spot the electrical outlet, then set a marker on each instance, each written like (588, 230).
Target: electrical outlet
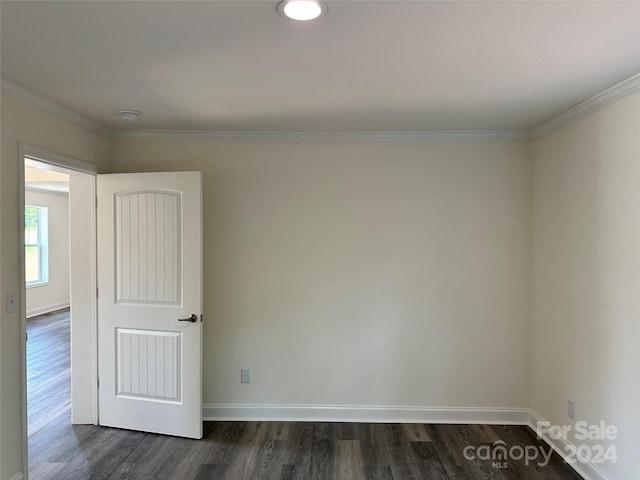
(571, 409)
(12, 302)
(245, 375)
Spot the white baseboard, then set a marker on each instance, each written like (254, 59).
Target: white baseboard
(399, 414)
(364, 413)
(562, 447)
(47, 309)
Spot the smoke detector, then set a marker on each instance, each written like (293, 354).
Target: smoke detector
(129, 115)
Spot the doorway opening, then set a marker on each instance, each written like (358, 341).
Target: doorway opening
(47, 262)
(57, 209)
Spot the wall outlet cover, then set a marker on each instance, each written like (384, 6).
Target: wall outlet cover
(571, 409)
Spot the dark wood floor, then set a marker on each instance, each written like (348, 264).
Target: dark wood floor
(250, 450)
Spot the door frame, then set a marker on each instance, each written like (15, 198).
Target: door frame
(62, 161)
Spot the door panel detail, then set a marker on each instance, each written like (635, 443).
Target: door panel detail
(148, 364)
(148, 232)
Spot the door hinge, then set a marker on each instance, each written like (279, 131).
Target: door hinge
(97, 293)
(98, 383)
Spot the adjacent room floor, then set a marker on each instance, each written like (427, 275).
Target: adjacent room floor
(256, 450)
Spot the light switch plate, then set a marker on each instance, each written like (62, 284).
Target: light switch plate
(12, 302)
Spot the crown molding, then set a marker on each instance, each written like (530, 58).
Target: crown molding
(603, 99)
(22, 95)
(323, 137)
(612, 95)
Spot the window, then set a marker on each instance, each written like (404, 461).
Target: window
(36, 245)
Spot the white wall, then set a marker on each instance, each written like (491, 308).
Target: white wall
(395, 274)
(55, 293)
(586, 284)
(24, 124)
(361, 274)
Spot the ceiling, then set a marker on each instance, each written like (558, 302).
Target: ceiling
(42, 176)
(366, 66)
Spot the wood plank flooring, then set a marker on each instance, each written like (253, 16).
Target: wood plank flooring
(250, 450)
(48, 370)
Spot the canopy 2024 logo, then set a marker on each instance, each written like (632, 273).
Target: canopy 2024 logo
(593, 452)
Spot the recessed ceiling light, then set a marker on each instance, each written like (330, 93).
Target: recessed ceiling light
(302, 9)
(129, 115)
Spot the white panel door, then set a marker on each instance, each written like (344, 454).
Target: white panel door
(150, 302)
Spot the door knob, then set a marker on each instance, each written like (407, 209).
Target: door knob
(193, 318)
